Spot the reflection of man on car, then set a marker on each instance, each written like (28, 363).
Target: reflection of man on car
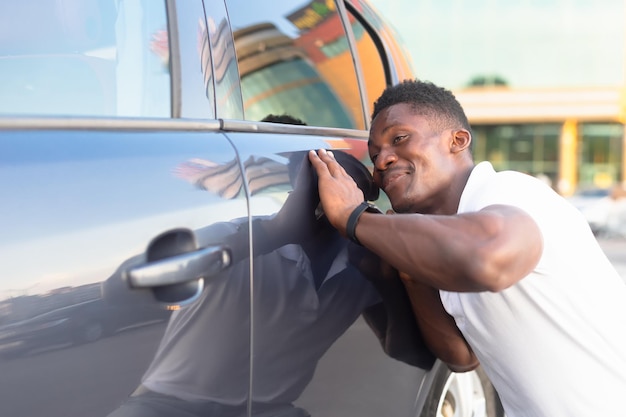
(306, 293)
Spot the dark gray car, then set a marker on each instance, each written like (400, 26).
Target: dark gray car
(161, 245)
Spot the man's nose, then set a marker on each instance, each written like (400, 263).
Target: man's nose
(385, 159)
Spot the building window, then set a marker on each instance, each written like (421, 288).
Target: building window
(531, 148)
(600, 154)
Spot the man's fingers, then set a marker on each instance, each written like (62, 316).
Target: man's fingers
(327, 157)
(316, 160)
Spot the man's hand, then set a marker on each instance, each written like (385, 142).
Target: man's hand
(338, 192)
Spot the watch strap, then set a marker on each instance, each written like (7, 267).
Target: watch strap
(353, 219)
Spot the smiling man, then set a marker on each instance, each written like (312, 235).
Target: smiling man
(499, 268)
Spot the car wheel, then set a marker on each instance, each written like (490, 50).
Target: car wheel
(468, 394)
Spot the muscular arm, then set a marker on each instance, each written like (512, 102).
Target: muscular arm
(488, 250)
(410, 322)
(438, 328)
(392, 320)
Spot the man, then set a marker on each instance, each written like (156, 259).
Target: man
(499, 268)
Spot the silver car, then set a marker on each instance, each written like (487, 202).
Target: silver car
(162, 250)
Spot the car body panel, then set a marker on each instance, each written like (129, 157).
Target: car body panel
(82, 205)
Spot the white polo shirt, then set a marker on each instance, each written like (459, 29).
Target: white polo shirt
(554, 344)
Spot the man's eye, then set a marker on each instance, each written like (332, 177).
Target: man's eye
(373, 157)
(399, 138)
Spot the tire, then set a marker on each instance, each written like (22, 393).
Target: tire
(468, 394)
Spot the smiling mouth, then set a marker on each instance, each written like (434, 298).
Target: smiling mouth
(391, 177)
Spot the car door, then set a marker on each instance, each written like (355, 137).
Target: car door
(118, 189)
(311, 348)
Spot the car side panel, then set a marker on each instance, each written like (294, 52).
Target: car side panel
(80, 207)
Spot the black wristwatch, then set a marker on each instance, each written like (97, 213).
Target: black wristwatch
(354, 219)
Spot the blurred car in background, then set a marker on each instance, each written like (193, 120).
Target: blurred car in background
(129, 130)
(595, 205)
(604, 209)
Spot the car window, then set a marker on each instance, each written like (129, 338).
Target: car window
(294, 58)
(229, 103)
(84, 57)
(197, 89)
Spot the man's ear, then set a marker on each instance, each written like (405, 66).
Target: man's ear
(461, 140)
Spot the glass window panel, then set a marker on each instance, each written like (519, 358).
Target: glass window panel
(528, 148)
(600, 154)
(227, 90)
(197, 89)
(294, 59)
(88, 58)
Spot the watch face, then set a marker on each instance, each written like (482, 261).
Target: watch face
(373, 209)
(319, 211)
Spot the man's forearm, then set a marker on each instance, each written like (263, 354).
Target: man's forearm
(440, 332)
(393, 323)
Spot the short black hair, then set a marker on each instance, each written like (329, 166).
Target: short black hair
(428, 99)
(283, 118)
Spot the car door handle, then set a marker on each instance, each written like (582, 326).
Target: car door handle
(178, 269)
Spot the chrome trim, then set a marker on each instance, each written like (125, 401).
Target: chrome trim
(174, 61)
(153, 124)
(229, 125)
(203, 263)
(82, 123)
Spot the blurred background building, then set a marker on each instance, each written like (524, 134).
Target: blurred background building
(543, 82)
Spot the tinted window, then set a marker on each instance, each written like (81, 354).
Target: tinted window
(227, 91)
(197, 90)
(294, 58)
(84, 57)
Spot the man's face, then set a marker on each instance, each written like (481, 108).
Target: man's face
(413, 163)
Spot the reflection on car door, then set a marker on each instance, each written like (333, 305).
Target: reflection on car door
(310, 347)
(85, 208)
(312, 353)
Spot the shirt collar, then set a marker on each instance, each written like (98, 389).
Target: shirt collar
(479, 175)
(294, 252)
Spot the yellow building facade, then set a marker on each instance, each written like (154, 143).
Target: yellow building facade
(573, 136)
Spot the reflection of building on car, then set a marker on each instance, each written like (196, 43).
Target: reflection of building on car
(266, 54)
(75, 324)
